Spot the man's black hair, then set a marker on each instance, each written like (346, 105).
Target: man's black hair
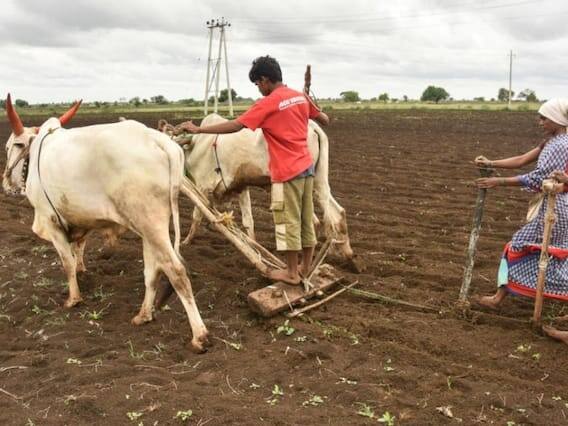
(265, 66)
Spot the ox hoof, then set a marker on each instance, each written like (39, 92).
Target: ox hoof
(81, 268)
(200, 344)
(72, 301)
(141, 319)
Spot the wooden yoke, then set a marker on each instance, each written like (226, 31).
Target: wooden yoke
(474, 236)
(550, 187)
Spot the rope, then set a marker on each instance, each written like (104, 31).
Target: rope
(59, 218)
(218, 169)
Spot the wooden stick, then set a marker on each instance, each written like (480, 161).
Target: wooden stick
(189, 189)
(300, 311)
(551, 188)
(307, 79)
(385, 299)
(473, 237)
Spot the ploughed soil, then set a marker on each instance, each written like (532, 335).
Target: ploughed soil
(405, 180)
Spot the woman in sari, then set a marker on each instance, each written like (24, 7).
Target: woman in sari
(518, 269)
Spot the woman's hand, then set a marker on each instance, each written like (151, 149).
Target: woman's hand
(482, 161)
(560, 176)
(489, 182)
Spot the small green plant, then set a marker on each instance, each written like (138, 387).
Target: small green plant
(301, 339)
(94, 315)
(133, 354)
(74, 361)
(39, 250)
(365, 410)
(134, 415)
(536, 356)
(346, 381)
(286, 328)
(314, 400)
(43, 282)
(101, 295)
(387, 418)
(388, 368)
(21, 275)
(277, 391)
(523, 348)
(183, 415)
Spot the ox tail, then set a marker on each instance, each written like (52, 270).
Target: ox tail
(176, 161)
(321, 179)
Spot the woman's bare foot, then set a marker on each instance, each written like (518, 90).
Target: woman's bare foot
(284, 276)
(491, 302)
(555, 333)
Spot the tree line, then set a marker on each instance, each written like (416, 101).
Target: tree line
(430, 94)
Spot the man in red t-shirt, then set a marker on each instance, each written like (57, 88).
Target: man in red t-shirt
(283, 115)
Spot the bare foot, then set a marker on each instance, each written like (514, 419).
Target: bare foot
(555, 333)
(282, 275)
(303, 271)
(490, 302)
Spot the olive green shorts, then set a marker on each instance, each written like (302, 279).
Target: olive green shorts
(292, 206)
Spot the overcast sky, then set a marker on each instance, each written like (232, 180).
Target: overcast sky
(58, 50)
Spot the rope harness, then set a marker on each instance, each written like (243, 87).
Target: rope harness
(218, 169)
(62, 224)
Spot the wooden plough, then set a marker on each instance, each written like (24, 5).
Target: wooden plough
(277, 297)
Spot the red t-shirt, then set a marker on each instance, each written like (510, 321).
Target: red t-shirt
(283, 117)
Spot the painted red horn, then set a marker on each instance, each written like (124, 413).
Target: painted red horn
(15, 121)
(65, 118)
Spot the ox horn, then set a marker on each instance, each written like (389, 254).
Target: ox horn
(15, 121)
(65, 118)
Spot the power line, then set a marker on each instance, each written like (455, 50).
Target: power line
(214, 66)
(367, 18)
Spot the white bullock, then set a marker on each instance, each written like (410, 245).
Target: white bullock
(108, 177)
(223, 166)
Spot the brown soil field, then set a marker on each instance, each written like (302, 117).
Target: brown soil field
(405, 179)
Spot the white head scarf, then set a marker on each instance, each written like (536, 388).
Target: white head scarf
(556, 110)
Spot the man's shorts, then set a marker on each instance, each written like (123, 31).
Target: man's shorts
(292, 207)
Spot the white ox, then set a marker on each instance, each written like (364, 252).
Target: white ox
(240, 160)
(108, 177)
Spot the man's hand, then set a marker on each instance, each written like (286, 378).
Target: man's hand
(482, 161)
(490, 182)
(188, 126)
(560, 176)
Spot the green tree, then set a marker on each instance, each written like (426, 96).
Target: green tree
(384, 97)
(159, 99)
(435, 94)
(224, 95)
(21, 103)
(350, 96)
(2, 103)
(528, 95)
(135, 101)
(503, 95)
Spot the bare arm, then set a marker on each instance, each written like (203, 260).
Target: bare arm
(492, 182)
(231, 126)
(511, 162)
(322, 119)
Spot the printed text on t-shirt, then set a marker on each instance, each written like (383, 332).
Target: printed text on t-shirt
(287, 103)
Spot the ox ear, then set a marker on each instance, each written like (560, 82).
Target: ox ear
(15, 121)
(65, 118)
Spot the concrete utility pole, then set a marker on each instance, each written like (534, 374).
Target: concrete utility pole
(214, 65)
(510, 76)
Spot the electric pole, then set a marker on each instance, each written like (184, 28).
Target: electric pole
(510, 77)
(214, 65)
